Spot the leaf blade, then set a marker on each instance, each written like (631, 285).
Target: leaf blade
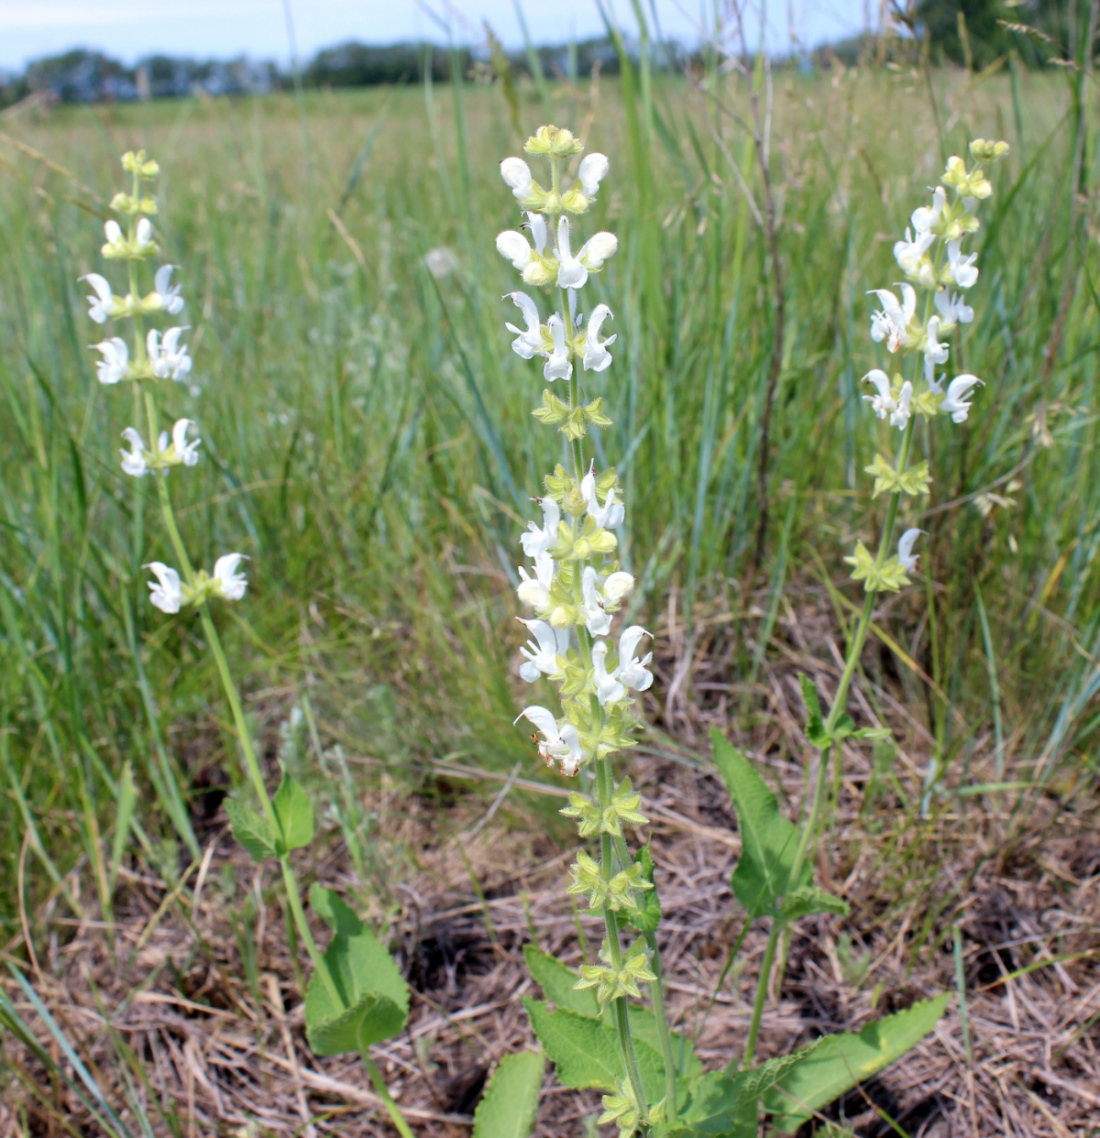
(509, 1106)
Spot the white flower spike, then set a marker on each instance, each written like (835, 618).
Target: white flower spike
(954, 401)
(228, 583)
(528, 341)
(115, 364)
(167, 593)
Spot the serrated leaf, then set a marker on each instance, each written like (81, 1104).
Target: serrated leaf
(815, 725)
(647, 917)
(510, 1104)
(294, 812)
(768, 841)
(840, 1062)
(556, 982)
(810, 899)
(372, 998)
(717, 1106)
(252, 830)
(587, 1056)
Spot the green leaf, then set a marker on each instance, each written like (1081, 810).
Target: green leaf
(838, 1062)
(815, 725)
(587, 1055)
(511, 1101)
(810, 899)
(556, 982)
(768, 841)
(295, 813)
(372, 998)
(253, 831)
(717, 1105)
(647, 917)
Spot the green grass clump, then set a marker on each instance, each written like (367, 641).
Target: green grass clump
(373, 437)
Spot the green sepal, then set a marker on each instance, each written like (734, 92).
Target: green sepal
(252, 830)
(294, 812)
(372, 998)
(647, 916)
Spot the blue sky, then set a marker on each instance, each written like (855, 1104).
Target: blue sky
(223, 28)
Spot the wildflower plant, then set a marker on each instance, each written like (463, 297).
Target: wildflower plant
(607, 1025)
(356, 995)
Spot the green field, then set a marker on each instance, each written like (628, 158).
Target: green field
(369, 445)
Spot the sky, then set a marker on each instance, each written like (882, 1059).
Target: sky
(128, 29)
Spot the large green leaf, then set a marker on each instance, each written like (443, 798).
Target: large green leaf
(510, 1104)
(253, 831)
(372, 998)
(556, 981)
(715, 1106)
(839, 1062)
(295, 813)
(768, 841)
(587, 1055)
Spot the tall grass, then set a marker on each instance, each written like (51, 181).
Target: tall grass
(360, 438)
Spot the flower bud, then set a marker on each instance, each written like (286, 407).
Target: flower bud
(555, 142)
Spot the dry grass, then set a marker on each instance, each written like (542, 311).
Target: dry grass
(1020, 879)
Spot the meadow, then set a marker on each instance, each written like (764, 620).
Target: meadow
(369, 445)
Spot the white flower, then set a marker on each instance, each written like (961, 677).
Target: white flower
(101, 306)
(900, 415)
(883, 403)
(165, 295)
(167, 357)
(541, 654)
(953, 403)
(529, 340)
(535, 591)
(116, 360)
(907, 559)
(560, 745)
(617, 586)
(631, 670)
(133, 460)
(910, 253)
(228, 583)
(891, 324)
(573, 271)
(963, 271)
(592, 170)
(608, 687)
(516, 246)
(596, 355)
(608, 516)
(535, 540)
(952, 308)
(558, 365)
(596, 619)
(167, 594)
(924, 218)
(185, 453)
(517, 174)
(934, 352)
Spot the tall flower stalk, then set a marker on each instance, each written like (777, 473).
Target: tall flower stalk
(575, 588)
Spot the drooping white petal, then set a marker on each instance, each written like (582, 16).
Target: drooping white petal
(116, 360)
(231, 584)
(133, 460)
(954, 402)
(528, 341)
(187, 452)
(561, 745)
(907, 559)
(101, 305)
(167, 295)
(541, 653)
(538, 540)
(632, 671)
(596, 355)
(617, 586)
(112, 231)
(883, 403)
(608, 687)
(592, 170)
(517, 174)
(536, 223)
(924, 218)
(952, 308)
(514, 246)
(608, 516)
(535, 591)
(963, 269)
(900, 415)
(597, 249)
(596, 619)
(144, 233)
(558, 363)
(935, 353)
(166, 594)
(572, 272)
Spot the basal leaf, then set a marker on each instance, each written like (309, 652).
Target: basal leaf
(509, 1106)
(295, 813)
(768, 841)
(372, 998)
(839, 1062)
(252, 830)
(586, 1055)
(647, 918)
(556, 982)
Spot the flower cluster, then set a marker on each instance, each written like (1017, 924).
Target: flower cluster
(932, 258)
(150, 357)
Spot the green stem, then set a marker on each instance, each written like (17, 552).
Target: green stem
(392, 1108)
(762, 992)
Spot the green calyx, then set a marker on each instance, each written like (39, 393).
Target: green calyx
(914, 481)
(612, 983)
(621, 810)
(616, 894)
(887, 577)
(573, 422)
(130, 204)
